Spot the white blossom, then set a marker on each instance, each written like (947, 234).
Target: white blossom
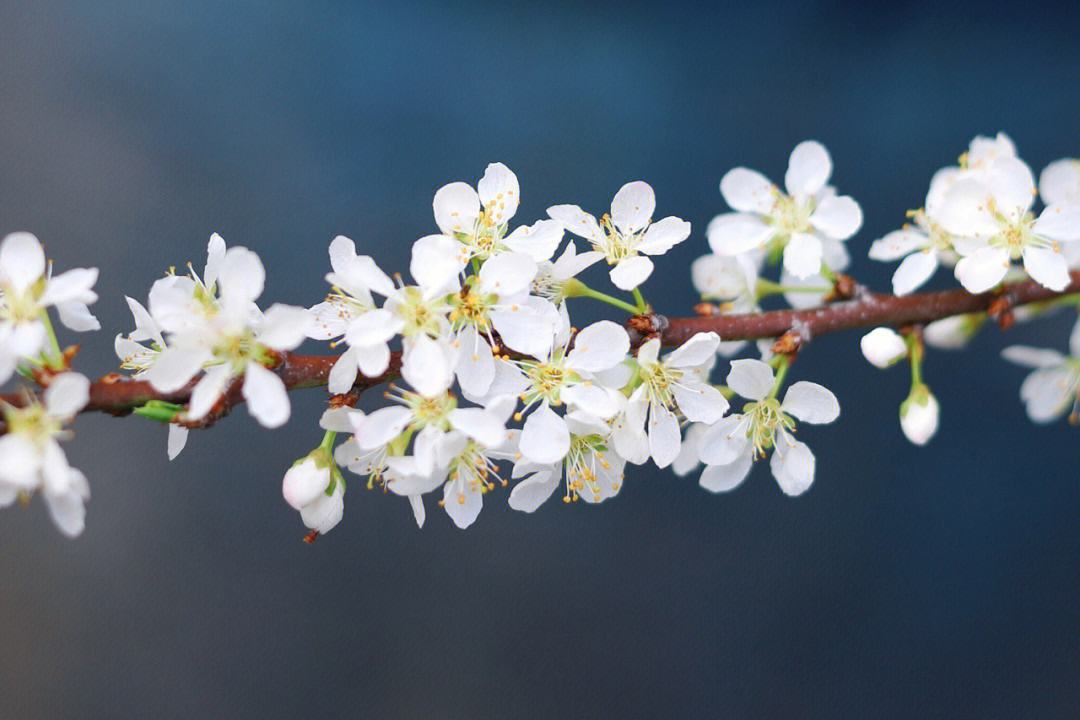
(628, 235)
(1051, 389)
(995, 212)
(479, 218)
(676, 384)
(31, 459)
(27, 290)
(919, 415)
(802, 221)
(730, 446)
(883, 347)
(553, 279)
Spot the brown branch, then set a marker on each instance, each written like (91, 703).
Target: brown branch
(118, 395)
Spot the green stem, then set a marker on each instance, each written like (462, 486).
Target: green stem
(915, 355)
(328, 441)
(782, 365)
(586, 291)
(827, 273)
(56, 360)
(642, 306)
(476, 266)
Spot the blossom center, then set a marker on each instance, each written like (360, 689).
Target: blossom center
(584, 462)
(659, 381)
(33, 423)
(615, 245)
(763, 418)
(790, 216)
(420, 315)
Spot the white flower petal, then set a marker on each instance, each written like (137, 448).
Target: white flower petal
(915, 270)
(633, 207)
(22, 261)
(266, 396)
(965, 210)
(71, 286)
(809, 168)
(478, 424)
(792, 465)
(284, 327)
(811, 403)
(631, 272)
(475, 363)
(545, 438)
(507, 274)
(208, 391)
(463, 507)
(533, 491)
(747, 190)
(343, 373)
(577, 221)
(838, 217)
(802, 256)
(752, 379)
(722, 478)
(457, 208)
(663, 235)
(416, 502)
(77, 317)
(539, 240)
(736, 233)
(983, 269)
(698, 350)
(665, 440)
(67, 394)
(700, 402)
(528, 326)
(1060, 182)
(67, 510)
(1059, 222)
(373, 359)
(174, 367)
(215, 256)
(919, 421)
(436, 262)
(593, 399)
(426, 366)
(1032, 357)
(242, 277)
(382, 426)
(499, 193)
(177, 441)
(725, 441)
(898, 243)
(1047, 267)
(1048, 393)
(600, 346)
(325, 512)
(304, 483)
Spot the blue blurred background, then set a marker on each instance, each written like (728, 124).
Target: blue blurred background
(936, 582)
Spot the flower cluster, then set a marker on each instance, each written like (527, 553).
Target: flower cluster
(498, 387)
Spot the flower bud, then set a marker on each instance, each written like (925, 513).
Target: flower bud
(919, 415)
(882, 347)
(953, 333)
(305, 482)
(325, 512)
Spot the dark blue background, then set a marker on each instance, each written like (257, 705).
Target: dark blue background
(936, 582)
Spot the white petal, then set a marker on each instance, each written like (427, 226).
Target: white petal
(499, 192)
(802, 256)
(750, 378)
(663, 235)
(373, 328)
(382, 426)
(898, 243)
(698, 350)
(71, 286)
(304, 483)
(340, 419)
(545, 438)
(983, 269)
(631, 272)
(1013, 186)
(748, 191)
(208, 391)
(527, 326)
(722, 478)
(77, 317)
(266, 396)
(67, 394)
(20, 460)
(174, 367)
(67, 510)
(1048, 393)
(838, 217)
(326, 512)
(593, 399)
(539, 240)
(725, 441)
(343, 373)
(736, 233)
(700, 402)
(600, 346)
(665, 439)
(215, 256)
(462, 507)
(915, 270)
(965, 210)
(882, 347)
(792, 465)
(1047, 267)
(533, 491)
(811, 403)
(1059, 222)
(436, 262)
(242, 276)
(373, 359)
(478, 424)
(457, 207)
(416, 502)
(1060, 182)
(284, 327)
(919, 421)
(507, 274)
(688, 459)
(577, 221)
(633, 207)
(426, 367)
(22, 261)
(809, 168)
(475, 364)
(177, 440)
(1032, 357)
